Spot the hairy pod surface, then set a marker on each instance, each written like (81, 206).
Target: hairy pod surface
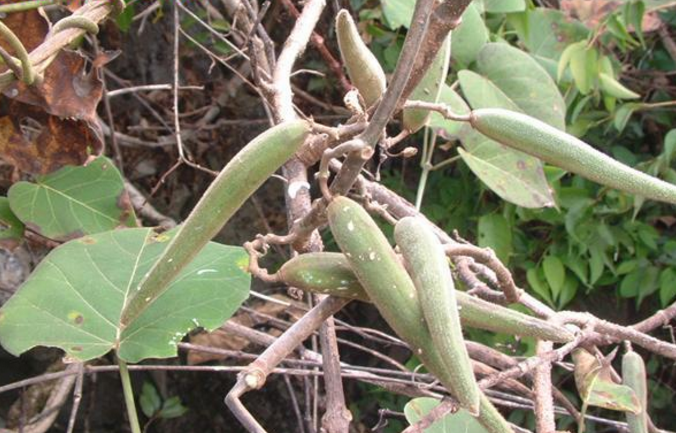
(362, 66)
(634, 376)
(390, 288)
(325, 273)
(543, 141)
(428, 266)
(245, 172)
(429, 88)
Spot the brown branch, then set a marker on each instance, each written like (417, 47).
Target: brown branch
(542, 381)
(318, 41)
(445, 18)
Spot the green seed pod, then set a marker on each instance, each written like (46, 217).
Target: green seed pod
(245, 172)
(387, 283)
(324, 273)
(634, 376)
(536, 138)
(428, 266)
(429, 88)
(362, 66)
(477, 313)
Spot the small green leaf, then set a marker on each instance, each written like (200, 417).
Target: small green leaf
(535, 281)
(74, 201)
(624, 113)
(494, 232)
(568, 291)
(172, 408)
(149, 400)
(555, 274)
(74, 299)
(583, 65)
(460, 421)
(11, 229)
(667, 286)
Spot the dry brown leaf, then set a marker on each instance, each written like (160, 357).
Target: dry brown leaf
(592, 12)
(39, 143)
(53, 122)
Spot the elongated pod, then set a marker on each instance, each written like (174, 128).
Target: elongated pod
(429, 88)
(362, 66)
(428, 266)
(324, 273)
(390, 288)
(247, 170)
(634, 376)
(537, 138)
(331, 274)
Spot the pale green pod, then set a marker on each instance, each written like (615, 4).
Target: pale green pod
(245, 172)
(362, 66)
(428, 266)
(326, 273)
(634, 376)
(323, 273)
(429, 88)
(555, 147)
(390, 288)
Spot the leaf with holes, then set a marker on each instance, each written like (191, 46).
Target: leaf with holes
(460, 421)
(11, 229)
(74, 201)
(75, 297)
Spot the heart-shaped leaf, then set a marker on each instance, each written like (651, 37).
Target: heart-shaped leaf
(460, 421)
(11, 229)
(74, 201)
(75, 297)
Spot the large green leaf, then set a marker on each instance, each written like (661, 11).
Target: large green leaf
(504, 6)
(398, 13)
(11, 229)
(460, 421)
(511, 79)
(74, 298)
(514, 177)
(74, 201)
(469, 37)
(483, 93)
(547, 32)
(524, 81)
(449, 128)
